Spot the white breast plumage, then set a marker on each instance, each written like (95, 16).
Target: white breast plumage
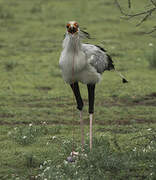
(74, 62)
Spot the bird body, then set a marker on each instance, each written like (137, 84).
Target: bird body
(83, 63)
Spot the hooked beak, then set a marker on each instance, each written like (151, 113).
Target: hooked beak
(72, 29)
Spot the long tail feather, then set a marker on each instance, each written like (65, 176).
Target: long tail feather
(124, 80)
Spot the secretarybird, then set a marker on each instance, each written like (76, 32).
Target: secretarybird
(83, 63)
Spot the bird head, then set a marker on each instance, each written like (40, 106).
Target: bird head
(72, 27)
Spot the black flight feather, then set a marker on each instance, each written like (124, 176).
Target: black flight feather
(102, 49)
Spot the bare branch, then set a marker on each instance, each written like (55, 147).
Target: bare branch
(146, 13)
(144, 19)
(134, 15)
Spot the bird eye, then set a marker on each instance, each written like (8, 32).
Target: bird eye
(67, 26)
(76, 25)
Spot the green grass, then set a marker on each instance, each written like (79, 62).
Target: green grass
(151, 56)
(33, 92)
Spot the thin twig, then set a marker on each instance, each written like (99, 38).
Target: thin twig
(153, 30)
(144, 19)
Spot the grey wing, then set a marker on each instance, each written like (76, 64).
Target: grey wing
(98, 57)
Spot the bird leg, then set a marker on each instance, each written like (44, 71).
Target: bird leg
(82, 130)
(76, 91)
(91, 96)
(90, 130)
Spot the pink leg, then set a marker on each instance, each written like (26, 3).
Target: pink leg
(82, 130)
(91, 124)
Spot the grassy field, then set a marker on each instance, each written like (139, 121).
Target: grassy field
(37, 119)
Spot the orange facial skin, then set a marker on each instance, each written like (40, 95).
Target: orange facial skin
(72, 27)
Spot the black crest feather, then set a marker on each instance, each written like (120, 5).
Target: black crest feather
(86, 34)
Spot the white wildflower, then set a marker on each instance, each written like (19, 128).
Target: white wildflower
(9, 133)
(149, 129)
(134, 149)
(54, 137)
(150, 44)
(30, 125)
(41, 166)
(24, 137)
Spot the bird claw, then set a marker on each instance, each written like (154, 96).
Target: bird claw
(72, 156)
(73, 153)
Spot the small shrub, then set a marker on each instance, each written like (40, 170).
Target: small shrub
(103, 162)
(28, 134)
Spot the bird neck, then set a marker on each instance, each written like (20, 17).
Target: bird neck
(72, 43)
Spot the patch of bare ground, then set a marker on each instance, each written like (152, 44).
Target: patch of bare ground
(126, 122)
(147, 100)
(138, 33)
(44, 103)
(14, 123)
(44, 88)
(6, 115)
